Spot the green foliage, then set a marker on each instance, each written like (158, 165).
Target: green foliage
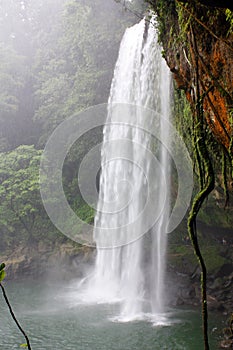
(50, 68)
(85, 213)
(165, 11)
(2, 266)
(53, 66)
(229, 18)
(2, 272)
(184, 21)
(2, 275)
(12, 81)
(183, 118)
(20, 202)
(79, 69)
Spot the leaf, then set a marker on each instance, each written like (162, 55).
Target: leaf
(24, 345)
(2, 266)
(2, 275)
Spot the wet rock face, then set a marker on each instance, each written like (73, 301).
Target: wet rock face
(60, 262)
(198, 47)
(185, 290)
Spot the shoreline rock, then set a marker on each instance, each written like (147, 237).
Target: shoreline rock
(64, 261)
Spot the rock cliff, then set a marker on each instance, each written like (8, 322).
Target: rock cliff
(197, 38)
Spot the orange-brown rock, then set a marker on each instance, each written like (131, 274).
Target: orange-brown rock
(201, 58)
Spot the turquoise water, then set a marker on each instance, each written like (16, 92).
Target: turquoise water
(54, 319)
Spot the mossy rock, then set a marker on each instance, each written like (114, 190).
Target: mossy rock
(212, 258)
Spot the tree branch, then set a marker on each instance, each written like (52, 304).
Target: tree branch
(14, 318)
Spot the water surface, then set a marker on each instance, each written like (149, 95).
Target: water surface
(55, 319)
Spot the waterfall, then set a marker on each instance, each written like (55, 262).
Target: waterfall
(130, 263)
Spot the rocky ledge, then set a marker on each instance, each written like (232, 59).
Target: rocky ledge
(63, 261)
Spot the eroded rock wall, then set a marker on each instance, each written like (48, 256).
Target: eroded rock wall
(198, 47)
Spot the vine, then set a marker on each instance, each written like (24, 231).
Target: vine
(224, 175)
(2, 276)
(229, 17)
(206, 27)
(200, 138)
(207, 181)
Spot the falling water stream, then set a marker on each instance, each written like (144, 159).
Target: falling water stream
(130, 262)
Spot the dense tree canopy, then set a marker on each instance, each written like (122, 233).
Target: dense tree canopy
(52, 65)
(19, 192)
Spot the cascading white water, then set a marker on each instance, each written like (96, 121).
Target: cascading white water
(133, 272)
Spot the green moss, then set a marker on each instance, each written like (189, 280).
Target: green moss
(229, 17)
(215, 216)
(213, 260)
(182, 257)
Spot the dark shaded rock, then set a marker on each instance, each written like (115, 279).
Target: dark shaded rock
(225, 270)
(179, 302)
(217, 283)
(188, 293)
(214, 304)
